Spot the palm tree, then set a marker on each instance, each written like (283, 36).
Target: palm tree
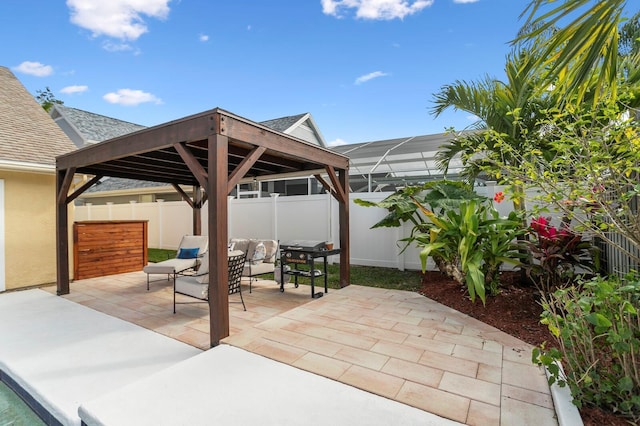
(583, 55)
(630, 36)
(508, 112)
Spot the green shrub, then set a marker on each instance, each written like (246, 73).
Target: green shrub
(470, 243)
(597, 329)
(559, 256)
(460, 230)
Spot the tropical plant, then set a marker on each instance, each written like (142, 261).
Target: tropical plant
(440, 195)
(470, 244)
(560, 256)
(498, 247)
(458, 229)
(597, 330)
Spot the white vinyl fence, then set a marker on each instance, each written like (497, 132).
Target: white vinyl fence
(307, 217)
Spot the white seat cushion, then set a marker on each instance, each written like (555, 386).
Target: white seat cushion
(169, 266)
(259, 269)
(191, 287)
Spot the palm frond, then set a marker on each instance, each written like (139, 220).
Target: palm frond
(471, 97)
(583, 52)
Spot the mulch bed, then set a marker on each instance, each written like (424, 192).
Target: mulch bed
(515, 311)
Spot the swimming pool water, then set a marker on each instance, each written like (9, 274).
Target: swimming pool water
(13, 410)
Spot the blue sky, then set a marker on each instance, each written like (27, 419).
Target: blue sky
(365, 69)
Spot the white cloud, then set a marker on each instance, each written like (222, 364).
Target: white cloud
(110, 46)
(337, 142)
(34, 68)
(121, 19)
(129, 97)
(203, 37)
(375, 9)
(70, 90)
(370, 76)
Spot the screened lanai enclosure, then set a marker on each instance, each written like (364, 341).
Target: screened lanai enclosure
(386, 165)
(212, 151)
(375, 166)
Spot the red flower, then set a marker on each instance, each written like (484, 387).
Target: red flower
(540, 225)
(550, 234)
(499, 197)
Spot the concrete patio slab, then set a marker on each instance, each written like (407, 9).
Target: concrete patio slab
(227, 385)
(62, 353)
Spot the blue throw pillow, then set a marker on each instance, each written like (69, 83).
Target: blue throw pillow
(188, 253)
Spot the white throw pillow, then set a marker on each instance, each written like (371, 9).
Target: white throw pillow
(259, 254)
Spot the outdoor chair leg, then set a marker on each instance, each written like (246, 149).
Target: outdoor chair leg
(242, 299)
(174, 302)
(174, 295)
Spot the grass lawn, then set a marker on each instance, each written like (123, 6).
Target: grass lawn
(158, 255)
(369, 276)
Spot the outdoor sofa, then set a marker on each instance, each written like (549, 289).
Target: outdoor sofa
(261, 256)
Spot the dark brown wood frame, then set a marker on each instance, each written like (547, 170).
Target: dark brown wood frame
(212, 151)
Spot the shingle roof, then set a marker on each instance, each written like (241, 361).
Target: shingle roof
(283, 123)
(27, 133)
(118, 184)
(96, 127)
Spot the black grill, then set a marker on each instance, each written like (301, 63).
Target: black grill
(303, 245)
(305, 253)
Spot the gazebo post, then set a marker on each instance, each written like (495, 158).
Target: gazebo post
(197, 210)
(218, 261)
(64, 179)
(345, 256)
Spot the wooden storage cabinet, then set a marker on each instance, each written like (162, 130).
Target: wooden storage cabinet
(108, 247)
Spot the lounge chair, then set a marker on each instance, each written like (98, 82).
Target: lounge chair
(197, 286)
(191, 249)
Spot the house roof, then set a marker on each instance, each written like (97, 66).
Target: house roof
(283, 124)
(93, 127)
(122, 184)
(27, 134)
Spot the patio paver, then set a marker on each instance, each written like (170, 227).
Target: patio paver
(396, 344)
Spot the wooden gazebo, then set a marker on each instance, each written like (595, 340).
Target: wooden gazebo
(212, 151)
